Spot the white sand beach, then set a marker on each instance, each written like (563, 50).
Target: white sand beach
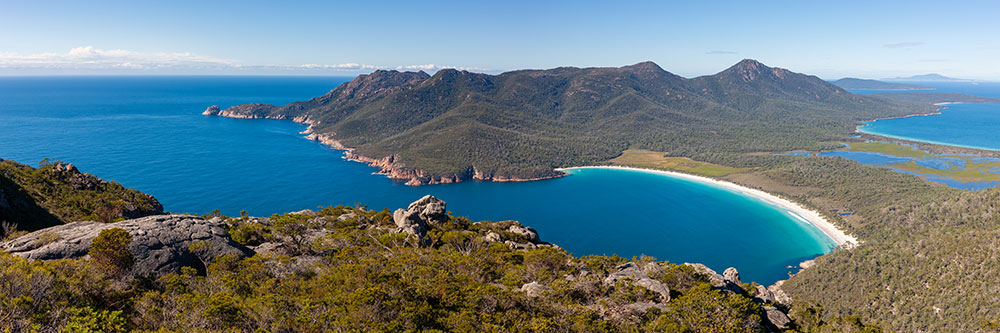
(809, 216)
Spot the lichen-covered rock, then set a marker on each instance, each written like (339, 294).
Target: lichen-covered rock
(527, 232)
(731, 275)
(779, 295)
(494, 237)
(159, 243)
(632, 273)
(410, 223)
(776, 317)
(764, 295)
(432, 210)
(419, 216)
(714, 278)
(534, 289)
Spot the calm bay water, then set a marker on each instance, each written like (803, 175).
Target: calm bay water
(967, 125)
(147, 133)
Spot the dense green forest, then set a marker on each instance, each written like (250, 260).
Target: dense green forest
(522, 124)
(929, 253)
(56, 193)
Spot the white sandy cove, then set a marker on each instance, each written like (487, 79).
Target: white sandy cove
(809, 216)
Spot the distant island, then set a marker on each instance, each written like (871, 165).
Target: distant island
(935, 98)
(933, 77)
(865, 84)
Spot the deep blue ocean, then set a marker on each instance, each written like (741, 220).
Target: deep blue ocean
(148, 133)
(967, 125)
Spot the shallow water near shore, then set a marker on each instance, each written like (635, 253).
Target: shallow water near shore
(148, 133)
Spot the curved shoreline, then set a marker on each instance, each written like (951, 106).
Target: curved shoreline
(943, 105)
(811, 217)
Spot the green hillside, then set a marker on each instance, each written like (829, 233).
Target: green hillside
(57, 193)
(522, 124)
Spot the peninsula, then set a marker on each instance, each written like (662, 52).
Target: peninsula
(521, 125)
(865, 84)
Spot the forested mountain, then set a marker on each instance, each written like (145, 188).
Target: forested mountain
(459, 125)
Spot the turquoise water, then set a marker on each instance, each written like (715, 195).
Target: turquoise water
(147, 133)
(966, 125)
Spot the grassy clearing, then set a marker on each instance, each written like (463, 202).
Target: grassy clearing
(651, 159)
(887, 148)
(973, 172)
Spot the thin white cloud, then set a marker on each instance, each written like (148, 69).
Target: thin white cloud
(89, 58)
(903, 45)
(434, 68)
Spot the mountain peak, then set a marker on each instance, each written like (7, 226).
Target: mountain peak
(750, 70)
(747, 65)
(645, 67)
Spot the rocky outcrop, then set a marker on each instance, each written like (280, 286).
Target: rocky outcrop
(527, 232)
(534, 289)
(421, 214)
(518, 237)
(731, 275)
(159, 245)
(728, 280)
(773, 299)
(430, 209)
(631, 273)
(211, 111)
(245, 111)
(776, 317)
(714, 278)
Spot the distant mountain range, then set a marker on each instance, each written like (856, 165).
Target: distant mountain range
(458, 125)
(864, 84)
(929, 78)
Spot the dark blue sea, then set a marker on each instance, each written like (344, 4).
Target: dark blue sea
(148, 133)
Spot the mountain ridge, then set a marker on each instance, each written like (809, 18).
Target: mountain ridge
(520, 125)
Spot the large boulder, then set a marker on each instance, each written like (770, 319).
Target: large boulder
(534, 289)
(732, 276)
(159, 243)
(432, 210)
(416, 219)
(714, 278)
(528, 232)
(776, 317)
(728, 280)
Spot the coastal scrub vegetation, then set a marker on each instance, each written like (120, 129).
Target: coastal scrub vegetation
(346, 269)
(57, 193)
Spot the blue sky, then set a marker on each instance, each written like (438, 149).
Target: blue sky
(832, 39)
